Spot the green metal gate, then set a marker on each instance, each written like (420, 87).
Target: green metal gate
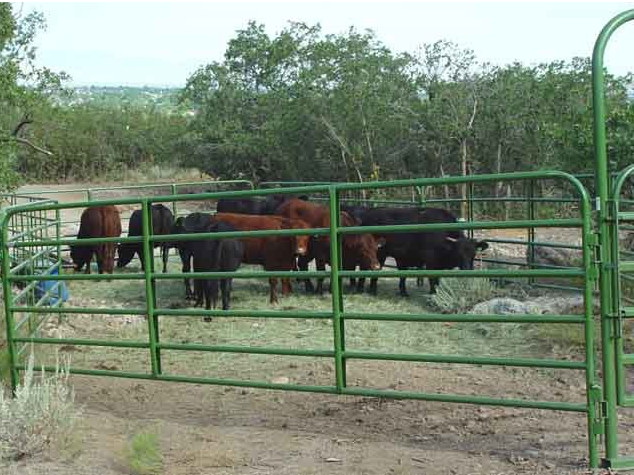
(622, 279)
(613, 273)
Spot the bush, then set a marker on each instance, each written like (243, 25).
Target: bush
(143, 454)
(457, 295)
(42, 414)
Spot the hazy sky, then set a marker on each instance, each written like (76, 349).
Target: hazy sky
(163, 43)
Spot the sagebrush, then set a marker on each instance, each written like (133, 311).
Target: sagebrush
(41, 416)
(454, 295)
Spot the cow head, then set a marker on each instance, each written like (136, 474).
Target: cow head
(362, 246)
(273, 202)
(463, 250)
(302, 241)
(125, 253)
(80, 256)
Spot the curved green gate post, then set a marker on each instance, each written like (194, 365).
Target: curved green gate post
(609, 301)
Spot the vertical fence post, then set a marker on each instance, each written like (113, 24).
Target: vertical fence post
(148, 257)
(58, 225)
(6, 290)
(531, 230)
(470, 212)
(335, 287)
(593, 390)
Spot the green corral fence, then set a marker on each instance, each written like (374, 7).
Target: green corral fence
(31, 247)
(338, 315)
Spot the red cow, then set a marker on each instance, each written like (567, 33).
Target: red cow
(96, 222)
(275, 253)
(357, 249)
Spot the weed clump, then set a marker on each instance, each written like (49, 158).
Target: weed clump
(42, 415)
(458, 295)
(143, 454)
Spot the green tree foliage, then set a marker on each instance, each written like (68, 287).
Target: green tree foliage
(89, 141)
(303, 105)
(24, 87)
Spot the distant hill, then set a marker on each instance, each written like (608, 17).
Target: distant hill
(163, 99)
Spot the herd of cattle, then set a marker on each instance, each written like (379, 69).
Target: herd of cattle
(435, 250)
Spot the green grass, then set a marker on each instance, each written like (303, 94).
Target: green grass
(142, 455)
(504, 339)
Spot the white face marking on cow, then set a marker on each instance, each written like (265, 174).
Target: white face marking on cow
(301, 251)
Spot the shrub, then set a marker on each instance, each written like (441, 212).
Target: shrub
(457, 295)
(143, 454)
(42, 414)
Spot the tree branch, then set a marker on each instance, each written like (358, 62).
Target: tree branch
(33, 146)
(23, 122)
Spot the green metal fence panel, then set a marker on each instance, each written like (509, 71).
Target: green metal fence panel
(338, 315)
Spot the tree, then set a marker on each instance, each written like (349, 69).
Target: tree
(23, 87)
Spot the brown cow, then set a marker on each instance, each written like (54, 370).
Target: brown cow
(273, 253)
(96, 222)
(357, 249)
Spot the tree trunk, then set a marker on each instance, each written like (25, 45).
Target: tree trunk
(464, 206)
(498, 169)
(445, 187)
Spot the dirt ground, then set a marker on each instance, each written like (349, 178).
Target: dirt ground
(210, 430)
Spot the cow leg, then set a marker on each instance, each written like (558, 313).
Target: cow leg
(165, 254)
(402, 288)
(225, 287)
(381, 257)
(198, 292)
(101, 255)
(433, 283)
(141, 259)
(110, 254)
(185, 260)
(87, 271)
(302, 265)
(286, 287)
(208, 295)
(272, 286)
(321, 265)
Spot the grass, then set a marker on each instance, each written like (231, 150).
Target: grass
(142, 454)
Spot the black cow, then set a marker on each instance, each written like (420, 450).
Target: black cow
(254, 206)
(162, 222)
(215, 255)
(356, 211)
(435, 250)
(192, 223)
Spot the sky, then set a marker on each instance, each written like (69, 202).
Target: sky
(161, 44)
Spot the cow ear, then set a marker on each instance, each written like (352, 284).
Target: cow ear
(482, 245)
